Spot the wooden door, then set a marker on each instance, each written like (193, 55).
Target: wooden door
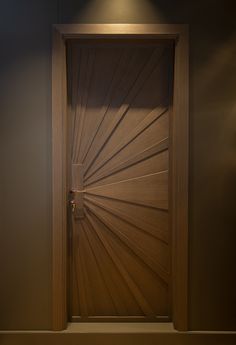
(119, 107)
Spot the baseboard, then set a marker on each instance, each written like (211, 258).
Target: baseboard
(117, 334)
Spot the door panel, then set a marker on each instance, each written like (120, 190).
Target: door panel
(119, 106)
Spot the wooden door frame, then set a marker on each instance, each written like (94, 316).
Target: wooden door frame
(179, 161)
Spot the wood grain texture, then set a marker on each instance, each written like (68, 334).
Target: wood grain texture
(160, 31)
(148, 190)
(134, 160)
(179, 184)
(178, 137)
(59, 184)
(119, 154)
(135, 241)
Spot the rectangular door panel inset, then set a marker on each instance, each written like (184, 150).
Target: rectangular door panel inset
(119, 106)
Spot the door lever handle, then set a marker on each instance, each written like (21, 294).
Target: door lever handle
(73, 205)
(71, 201)
(76, 204)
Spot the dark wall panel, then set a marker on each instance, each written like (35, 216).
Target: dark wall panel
(25, 130)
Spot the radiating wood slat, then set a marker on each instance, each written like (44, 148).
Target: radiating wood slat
(135, 247)
(102, 95)
(150, 190)
(153, 134)
(81, 276)
(152, 288)
(120, 295)
(86, 68)
(95, 252)
(146, 308)
(152, 95)
(152, 221)
(147, 121)
(122, 110)
(94, 280)
(147, 153)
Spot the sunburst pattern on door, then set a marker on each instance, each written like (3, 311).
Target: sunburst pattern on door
(119, 107)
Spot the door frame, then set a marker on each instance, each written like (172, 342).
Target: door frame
(179, 162)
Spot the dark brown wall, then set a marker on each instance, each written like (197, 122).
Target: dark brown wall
(25, 132)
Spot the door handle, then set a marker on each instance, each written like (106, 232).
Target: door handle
(76, 204)
(73, 205)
